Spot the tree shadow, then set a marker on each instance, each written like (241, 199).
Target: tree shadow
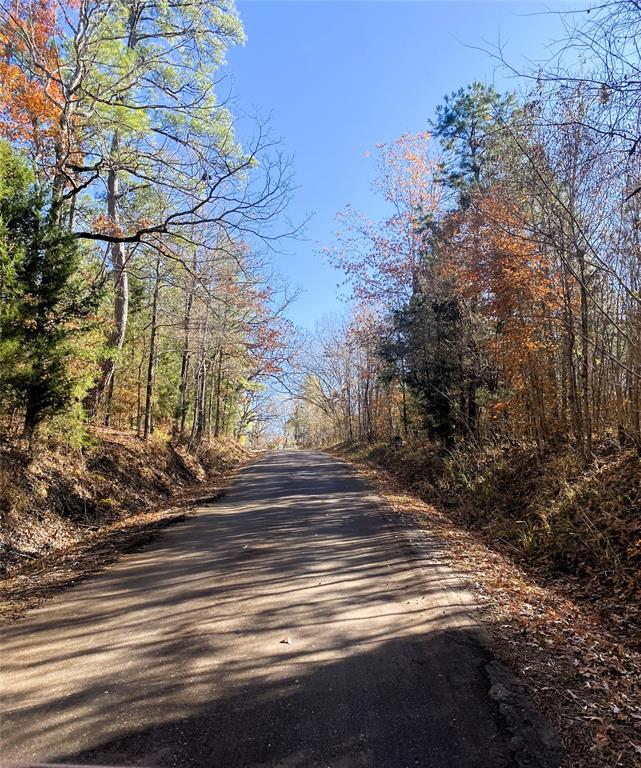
(175, 655)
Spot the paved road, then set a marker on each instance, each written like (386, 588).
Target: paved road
(174, 655)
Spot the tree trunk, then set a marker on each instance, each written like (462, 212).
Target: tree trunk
(116, 340)
(584, 371)
(151, 367)
(219, 374)
(118, 256)
(403, 398)
(184, 368)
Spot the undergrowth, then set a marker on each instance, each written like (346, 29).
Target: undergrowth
(551, 513)
(53, 497)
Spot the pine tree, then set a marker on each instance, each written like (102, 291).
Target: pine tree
(45, 305)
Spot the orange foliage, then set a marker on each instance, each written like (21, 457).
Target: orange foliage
(381, 258)
(30, 93)
(105, 225)
(503, 273)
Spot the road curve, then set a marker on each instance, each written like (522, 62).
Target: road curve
(292, 624)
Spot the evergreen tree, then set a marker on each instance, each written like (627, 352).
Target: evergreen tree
(471, 125)
(44, 302)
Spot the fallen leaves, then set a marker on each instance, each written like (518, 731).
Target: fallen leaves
(38, 577)
(582, 669)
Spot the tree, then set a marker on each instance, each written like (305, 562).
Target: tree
(382, 258)
(45, 302)
(471, 125)
(131, 91)
(604, 39)
(30, 103)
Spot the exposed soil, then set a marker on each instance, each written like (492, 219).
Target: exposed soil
(67, 515)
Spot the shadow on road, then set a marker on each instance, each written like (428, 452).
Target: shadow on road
(175, 656)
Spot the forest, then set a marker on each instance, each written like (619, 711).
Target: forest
(492, 357)
(487, 363)
(499, 301)
(133, 290)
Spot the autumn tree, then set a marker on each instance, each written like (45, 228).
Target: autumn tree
(515, 314)
(115, 107)
(382, 258)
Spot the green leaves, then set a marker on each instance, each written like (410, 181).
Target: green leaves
(471, 124)
(45, 304)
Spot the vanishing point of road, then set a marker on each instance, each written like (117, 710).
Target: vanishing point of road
(295, 624)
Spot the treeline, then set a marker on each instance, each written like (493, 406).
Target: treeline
(132, 290)
(500, 300)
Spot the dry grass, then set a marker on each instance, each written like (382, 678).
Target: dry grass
(581, 668)
(556, 518)
(66, 515)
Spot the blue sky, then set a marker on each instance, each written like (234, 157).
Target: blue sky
(338, 77)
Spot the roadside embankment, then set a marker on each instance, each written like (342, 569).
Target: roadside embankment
(556, 518)
(551, 551)
(66, 513)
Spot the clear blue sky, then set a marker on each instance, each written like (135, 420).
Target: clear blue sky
(338, 77)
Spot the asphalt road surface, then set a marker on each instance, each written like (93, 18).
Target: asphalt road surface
(295, 624)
